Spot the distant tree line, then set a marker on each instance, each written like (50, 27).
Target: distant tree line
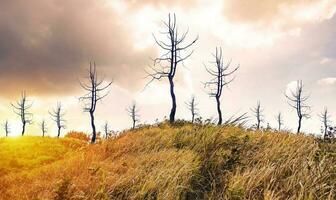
(175, 50)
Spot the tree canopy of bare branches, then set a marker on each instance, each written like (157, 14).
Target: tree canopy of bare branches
(325, 119)
(44, 128)
(279, 119)
(175, 52)
(258, 114)
(96, 90)
(192, 107)
(221, 76)
(133, 112)
(21, 108)
(297, 100)
(57, 115)
(6, 128)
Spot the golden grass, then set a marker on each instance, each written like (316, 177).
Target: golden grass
(170, 162)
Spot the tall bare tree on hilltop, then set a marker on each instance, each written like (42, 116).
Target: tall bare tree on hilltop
(57, 115)
(221, 76)
(325, 119)
(192, 106)
(258, 113)
(44, 127)
(175, 51)
(96, 90)
(6, 128)
(21, 108)
(107, 130)
(133, 113)
(297, 100)
(279, 119)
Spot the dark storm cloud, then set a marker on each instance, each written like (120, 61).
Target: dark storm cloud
(46, 44)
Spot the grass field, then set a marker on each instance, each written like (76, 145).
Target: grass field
(164, 162)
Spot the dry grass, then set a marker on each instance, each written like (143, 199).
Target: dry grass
(181, 162)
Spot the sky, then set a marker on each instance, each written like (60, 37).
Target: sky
(46, 47)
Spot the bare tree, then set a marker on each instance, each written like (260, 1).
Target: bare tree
(279, 120)
(57, 115)
(133, 113)
(221, 76)
(106, 130)
(175, 52)
(6, 128)
(297, 100)
(44, 127)
(192, 106)
(258, 113)
(21, 108)
(96, 90)
(325, 119)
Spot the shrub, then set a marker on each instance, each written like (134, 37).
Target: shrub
(78, 135)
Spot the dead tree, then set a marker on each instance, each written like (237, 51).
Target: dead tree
(258, 113)
(325, 119)
(133, 113)
(297, 100)
(57, 115)
(6, 128)
(174, 53)
(44, 127)
(96, 90)
(221, 76)
(279, 121)
(21, 108)
(192, 106)
(106, 130)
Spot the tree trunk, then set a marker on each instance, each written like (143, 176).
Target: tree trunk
(219, 111)
(23, 129)
(299, 126)
(133, 125)
(193, 118)
(172, 94)
(94, 134)
(258, 124)
(59, 132)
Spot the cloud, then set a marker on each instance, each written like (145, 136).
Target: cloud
(327, 81)
(47, 44)
(285, 13)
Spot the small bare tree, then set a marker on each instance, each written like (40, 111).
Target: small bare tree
(325, 119)
(44, 127)
(96, 90)
(57, 115)
(279, 121)
(21, 108)
(175, 52)
(6, 128)
(258, 113)
(192, 106)
(133, 113)
(221, 76)
(297, 100)
(106, 130)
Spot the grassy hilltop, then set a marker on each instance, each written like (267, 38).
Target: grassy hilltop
(164, 162)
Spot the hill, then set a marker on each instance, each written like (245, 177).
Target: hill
(183, 161)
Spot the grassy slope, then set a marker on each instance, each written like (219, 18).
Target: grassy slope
(181, 162)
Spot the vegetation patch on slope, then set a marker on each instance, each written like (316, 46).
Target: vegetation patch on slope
(184, 161)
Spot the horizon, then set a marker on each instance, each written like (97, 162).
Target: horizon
(46, 47)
